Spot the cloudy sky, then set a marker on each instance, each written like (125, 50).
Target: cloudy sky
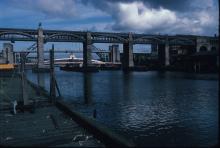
(142, 16)
(197, 17)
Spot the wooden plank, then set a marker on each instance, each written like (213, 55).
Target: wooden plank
(26, 129)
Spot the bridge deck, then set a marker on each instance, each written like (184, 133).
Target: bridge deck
(16, 34)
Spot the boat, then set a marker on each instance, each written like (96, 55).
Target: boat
(76, 64)
(79, 68)
(7, 70)
(110, 66)
(7, 67)
(73, 59)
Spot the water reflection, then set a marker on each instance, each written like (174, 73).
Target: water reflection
(152, 108)
(41, 79)
(127, 79)
(87, 85)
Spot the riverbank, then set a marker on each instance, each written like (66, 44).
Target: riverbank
(46, 126)
(45, 123)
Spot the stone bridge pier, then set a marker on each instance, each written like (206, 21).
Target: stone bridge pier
(87, 49)
(128, 61)
(40, 48)
(164, 53)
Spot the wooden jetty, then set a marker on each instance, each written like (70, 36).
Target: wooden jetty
(31, 116)
(50, 124)
(47, 126)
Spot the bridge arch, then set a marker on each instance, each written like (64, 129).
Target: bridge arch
(203, 48)
(109, 35)
(149, 38)
(181, 39)
(17, 33)
(65, 34)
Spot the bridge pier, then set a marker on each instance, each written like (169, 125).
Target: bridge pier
(167, 53)
(128, 61)
(114, 53)
(40, 48)
(164, 54)
(87, 49)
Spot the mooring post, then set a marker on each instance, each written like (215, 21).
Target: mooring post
(52, 78)
(24, 94)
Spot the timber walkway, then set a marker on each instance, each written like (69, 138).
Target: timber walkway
(47, 126)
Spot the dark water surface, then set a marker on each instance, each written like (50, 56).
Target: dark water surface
(151, 108)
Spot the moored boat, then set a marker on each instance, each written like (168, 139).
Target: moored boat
(6, 70)
(79, 68)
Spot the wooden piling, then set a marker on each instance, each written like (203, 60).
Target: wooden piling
(24, 94)
(52, 78)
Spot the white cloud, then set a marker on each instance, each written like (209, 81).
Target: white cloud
(138, 17)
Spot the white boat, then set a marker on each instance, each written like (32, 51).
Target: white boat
(73, 58)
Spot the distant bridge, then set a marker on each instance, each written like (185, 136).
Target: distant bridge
(163, 42)
(11, 34)
(62, 51)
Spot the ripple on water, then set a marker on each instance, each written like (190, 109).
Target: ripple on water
(148, 107)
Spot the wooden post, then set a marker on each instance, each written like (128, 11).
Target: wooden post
(52, 78)
(24, 94)
(58, 90)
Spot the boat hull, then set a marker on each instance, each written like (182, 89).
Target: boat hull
(80, 69)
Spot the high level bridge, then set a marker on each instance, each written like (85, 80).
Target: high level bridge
(162, 42)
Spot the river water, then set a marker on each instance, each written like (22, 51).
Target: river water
(150, 108)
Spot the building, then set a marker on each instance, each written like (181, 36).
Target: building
(202, 57)
(7, 54)
(114, 53)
